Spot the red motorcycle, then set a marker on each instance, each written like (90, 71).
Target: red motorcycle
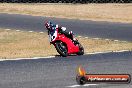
(64, 45)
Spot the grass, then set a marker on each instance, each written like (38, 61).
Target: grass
(97, 12)
(15, 44)
(23, 44)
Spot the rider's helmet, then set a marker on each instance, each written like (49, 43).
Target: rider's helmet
(48, 25)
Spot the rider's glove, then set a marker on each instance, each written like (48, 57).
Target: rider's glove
(63, 28)
(71, 33)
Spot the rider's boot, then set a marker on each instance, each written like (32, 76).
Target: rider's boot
(74, 40)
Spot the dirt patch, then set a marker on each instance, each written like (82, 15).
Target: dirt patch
(15, 44)
(96, 12)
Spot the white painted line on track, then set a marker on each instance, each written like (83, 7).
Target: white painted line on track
(86, 37)
(17, 30)
(106, 52)
(26, 58)
(124, 41)
(98, 52)
(96, 38)
(116, 40)
(44, 57)
(90, 84)
(30, 31)
(103, 39)
(73, 86)
(41, 32)
(122, 51)
(54, 56)
(107, 39)
(79, 36)
(7, 29)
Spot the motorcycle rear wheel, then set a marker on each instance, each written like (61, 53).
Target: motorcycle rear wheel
(61, 48)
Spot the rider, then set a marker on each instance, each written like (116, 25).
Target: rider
(51, 27)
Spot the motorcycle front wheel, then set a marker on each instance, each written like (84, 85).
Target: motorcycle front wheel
(81, 80)
(61, 48)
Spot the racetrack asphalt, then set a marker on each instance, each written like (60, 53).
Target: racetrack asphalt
(60, 72)
(116, 31)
